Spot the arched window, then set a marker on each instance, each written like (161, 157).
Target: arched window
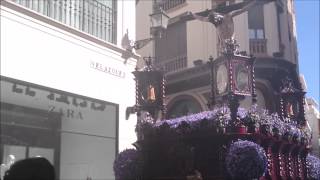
(183, 107)
(246, 103)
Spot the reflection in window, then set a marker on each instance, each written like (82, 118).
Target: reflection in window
(256, 34)
(47, 153)
(252, 34)
(260, 34)
(10, 155)
(13, 153)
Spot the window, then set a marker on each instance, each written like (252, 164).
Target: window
(256, 34)
(260, 34)
(256, 22)
(96, 17)
(257, 40)
(220, 4)
(289, 33)
(252, 34)
(247, 102)
(184, 107)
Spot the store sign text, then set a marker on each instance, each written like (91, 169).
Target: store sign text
(68, 113)
(107, 69)
(69, 106)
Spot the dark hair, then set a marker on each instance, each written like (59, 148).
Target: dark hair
(37, 168)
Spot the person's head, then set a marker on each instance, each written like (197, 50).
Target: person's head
(37, 168)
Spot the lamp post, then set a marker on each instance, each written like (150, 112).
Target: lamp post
(159, 21)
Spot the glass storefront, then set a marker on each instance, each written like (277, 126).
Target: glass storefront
(77, 134)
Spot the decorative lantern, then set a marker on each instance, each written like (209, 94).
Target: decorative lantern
(232, 78)
(233, 75)
(149, 89)
(292, 101)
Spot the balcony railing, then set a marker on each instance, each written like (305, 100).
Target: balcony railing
(89, 16)
(168, 4)
(258, 47)
(174, 64)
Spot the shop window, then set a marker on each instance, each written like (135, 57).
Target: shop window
(72, 132)
(47, 153)
(11, 154)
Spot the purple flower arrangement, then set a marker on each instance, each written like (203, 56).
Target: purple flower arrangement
(219, 118)
(278, 126)
(313, 167)
(306, 136)
(128, 165)
(172, 142)
(246, 160)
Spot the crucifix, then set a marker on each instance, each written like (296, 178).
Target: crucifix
(222, 18)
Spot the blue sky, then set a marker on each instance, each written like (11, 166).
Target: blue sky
(307, 19)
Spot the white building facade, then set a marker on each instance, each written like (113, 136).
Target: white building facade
(65, 84)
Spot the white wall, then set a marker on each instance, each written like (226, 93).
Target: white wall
(201, 41)
(241, 31)
(201, 36)
(39, 53)
(126, 19)
(270, 26)
(284, 33)
(144, 9)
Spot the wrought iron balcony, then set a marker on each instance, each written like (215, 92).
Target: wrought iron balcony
(174, 64)
(89, 16)
(168, 4)
(258, 47)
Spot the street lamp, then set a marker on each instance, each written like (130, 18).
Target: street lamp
(159, 22)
